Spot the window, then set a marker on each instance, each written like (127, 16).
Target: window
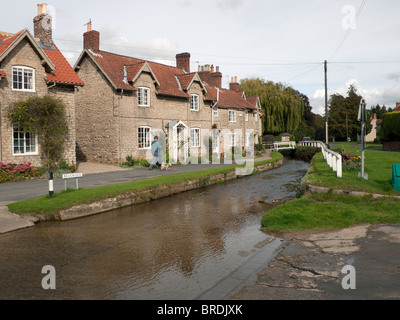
(255, 117)
(24, 143)
(246, 115)
(144, 138)
(232, 116)
(195, 138)
(23, 79)
(215, 111)
(194, 102)
(143, 97)
(233, 139)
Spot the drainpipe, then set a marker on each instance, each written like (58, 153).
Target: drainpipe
(212, 108)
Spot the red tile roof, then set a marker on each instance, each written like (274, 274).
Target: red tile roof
(171, 80)
(63, 72)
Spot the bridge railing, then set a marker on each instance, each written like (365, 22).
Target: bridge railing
(284, 145)
(333, 159)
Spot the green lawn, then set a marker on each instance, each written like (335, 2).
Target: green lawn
(59, 201)
(330, 211)
(378, 166)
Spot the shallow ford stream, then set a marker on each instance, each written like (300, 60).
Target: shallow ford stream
(173, 248)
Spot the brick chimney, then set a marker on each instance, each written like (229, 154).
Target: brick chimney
(234, 85)
(42, 25)
(183, 61)
(91, 38)
(215, 77)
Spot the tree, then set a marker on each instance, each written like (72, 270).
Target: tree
(46, 116)
(282, 105)
(343, 114)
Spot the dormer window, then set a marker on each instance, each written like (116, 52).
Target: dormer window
(194, 102)
(143, 97)
(23, 78)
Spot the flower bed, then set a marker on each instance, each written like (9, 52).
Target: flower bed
(351, 161)
(11, 172)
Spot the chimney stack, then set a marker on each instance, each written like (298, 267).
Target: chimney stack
(42, 25)
(234, 85)
(91, 38)
(183, 61)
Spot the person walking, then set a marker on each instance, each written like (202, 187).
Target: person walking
(155, 151)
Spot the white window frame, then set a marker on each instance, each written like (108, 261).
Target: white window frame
(232, 116)
(256, 117)
(195, 137)
(246, 115)
(233, 139)
(143, 97)
(24, 141)
(142, 131)
(21, 80)
(194, 102)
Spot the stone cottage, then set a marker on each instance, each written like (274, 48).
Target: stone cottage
(127, 101)
(33, 66)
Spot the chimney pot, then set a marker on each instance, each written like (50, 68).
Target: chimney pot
(44, 8)
(212, 68)
(39, 9)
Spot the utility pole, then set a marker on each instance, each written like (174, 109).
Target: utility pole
(362, 116)
(326, 103)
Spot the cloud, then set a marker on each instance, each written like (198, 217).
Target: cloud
(161, 50)
(371, 95)
(230, 4)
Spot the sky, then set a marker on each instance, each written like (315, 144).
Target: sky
(284, 41)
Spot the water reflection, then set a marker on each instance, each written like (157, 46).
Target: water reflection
(173, 248)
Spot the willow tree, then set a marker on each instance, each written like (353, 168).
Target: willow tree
(282, 105)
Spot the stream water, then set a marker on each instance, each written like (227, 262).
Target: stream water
(172, 248)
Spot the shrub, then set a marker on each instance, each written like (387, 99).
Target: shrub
(390, 129)
(306, 153)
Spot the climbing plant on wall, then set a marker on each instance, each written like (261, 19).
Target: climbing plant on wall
(46, 117)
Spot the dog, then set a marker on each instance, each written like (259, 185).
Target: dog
(165, 166)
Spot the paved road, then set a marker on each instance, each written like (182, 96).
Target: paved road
(23, 190)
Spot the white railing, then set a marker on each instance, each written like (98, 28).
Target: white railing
(284, 145)
(333, 159)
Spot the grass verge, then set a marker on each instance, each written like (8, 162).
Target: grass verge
(59, 201)
(330, 211)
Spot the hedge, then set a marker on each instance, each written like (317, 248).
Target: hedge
(390, 129)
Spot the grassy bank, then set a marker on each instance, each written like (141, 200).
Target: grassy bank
(48, 205)
(330, 211)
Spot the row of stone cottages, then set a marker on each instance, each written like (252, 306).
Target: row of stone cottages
(115, 104)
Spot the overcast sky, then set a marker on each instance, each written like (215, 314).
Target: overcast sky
(283, 41)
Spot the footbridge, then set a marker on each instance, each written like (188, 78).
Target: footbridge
(333, 159)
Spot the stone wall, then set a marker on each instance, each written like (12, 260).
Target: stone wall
(22, 55)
